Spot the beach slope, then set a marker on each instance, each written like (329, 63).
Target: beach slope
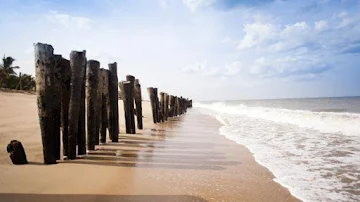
(184, 159)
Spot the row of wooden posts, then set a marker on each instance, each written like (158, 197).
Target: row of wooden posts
(75, 92)
(167, 106)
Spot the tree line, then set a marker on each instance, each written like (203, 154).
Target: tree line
(11, 80)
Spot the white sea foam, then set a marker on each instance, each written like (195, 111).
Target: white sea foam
(316, 155)
(334, 122)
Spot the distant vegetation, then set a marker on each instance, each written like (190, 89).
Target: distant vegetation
(9, 79)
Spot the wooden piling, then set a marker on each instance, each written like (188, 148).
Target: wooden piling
(65, 99)
(92, 84)
(177, 106)
(138, 104)
(157, 105)
(98, 108)
(114, 108)
(166, 107)
(77, 64)
(162, 106)
(153, 103)
(125, 88)
(181, 108)
(104, 101)
(44, 65)
(172, 105)
(131, 79)
(57, 104)
(81, 135)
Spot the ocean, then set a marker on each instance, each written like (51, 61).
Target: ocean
(311, 145)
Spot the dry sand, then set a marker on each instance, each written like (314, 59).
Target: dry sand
(184, 159)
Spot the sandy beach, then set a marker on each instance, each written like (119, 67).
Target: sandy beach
(184, 159)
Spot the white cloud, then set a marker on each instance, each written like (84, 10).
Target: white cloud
(256, 34)
(321, 25)
(197, 67)
(288, 66)
(194, 5)
(68, 21)
(232, 68)
(344, 18)
(291, 36)
(163, 3)
(202, 68)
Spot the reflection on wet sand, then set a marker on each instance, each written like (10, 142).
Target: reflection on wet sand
(167, 147)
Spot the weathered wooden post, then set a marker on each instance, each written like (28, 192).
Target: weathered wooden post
(98, 108)
(65, 99)
(181, 105)
(125, 88)
(104, 101)
(166, 105)
(44, 66)
(81, 135)
(177, 106)
(114, 107)
(172, 103)
(162, 106)
(57, 104)
(157, 105)
(138, 103)
(152, 102)
(185, 105)
(92, 83)
(131, 79)
(77, 64)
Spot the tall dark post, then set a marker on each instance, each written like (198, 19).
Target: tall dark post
(57, 104)
(114, 107)
(181, 109)
(166, 112)
(126, 89)
(77, 64)
(177, 106)
(162, 106)
(157, 105)
(44, 65)
(92, 83)
(98, 107)
(104, 101)
(138, 103)
(65, 99)
(171, 107)
(81, 135)
(153, 103)
(131, 79)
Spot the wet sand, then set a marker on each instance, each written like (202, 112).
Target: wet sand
(184, 159)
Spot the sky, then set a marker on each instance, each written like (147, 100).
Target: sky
(200, 49)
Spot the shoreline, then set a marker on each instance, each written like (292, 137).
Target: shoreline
(184, 159)
(275, 179)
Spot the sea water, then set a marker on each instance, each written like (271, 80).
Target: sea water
(312, 146)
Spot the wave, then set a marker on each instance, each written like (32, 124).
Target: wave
(313, 154)
(327, 122)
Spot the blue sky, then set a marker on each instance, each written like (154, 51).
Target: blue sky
(202, 49)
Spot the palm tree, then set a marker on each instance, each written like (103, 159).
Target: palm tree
(7, 69)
